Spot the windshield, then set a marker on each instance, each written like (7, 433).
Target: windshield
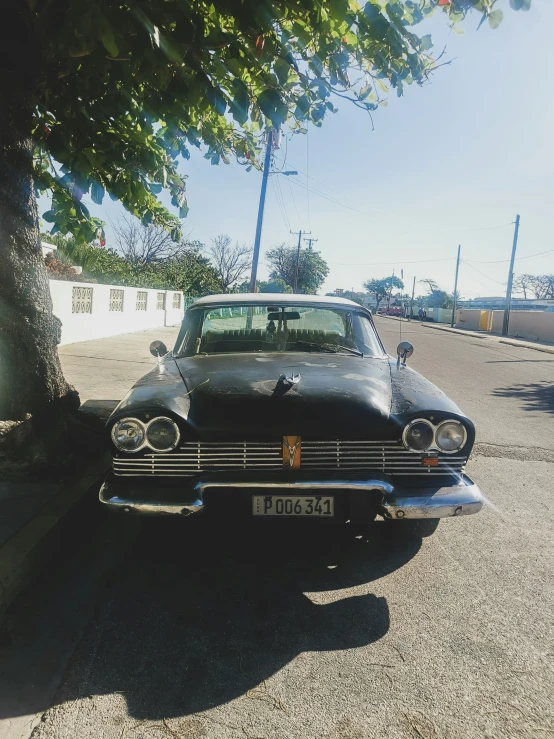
(274, 328)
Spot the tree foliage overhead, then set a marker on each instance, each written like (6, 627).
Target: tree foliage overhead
(120, 92)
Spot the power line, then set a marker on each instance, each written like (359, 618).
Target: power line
(396, 261)
(392, 215)
(294, 202)
(502, 261)
(280, 203)
(482, 273)
(282, 197)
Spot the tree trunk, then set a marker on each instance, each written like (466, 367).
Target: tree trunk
(31, 377)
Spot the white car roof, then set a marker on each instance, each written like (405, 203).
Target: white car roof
(272, 299)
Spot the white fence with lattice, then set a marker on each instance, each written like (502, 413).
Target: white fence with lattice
(91, 311)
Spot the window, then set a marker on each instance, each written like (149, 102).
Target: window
(142, 297)
(116, 300)
(176, 300)
(81, 300)
(160, 301)
(280, 328)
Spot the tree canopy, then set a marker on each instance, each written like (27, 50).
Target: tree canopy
(539, 286)
(382, 287)
(231, 262)
(119, 92)
(312, 268)
(188, 270)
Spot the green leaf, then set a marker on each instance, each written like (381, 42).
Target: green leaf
(495, 18)
(108, 40)
(49, 216)
(426, 43)
(97, 193)
(364, 93)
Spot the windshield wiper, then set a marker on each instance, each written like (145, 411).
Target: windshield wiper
(331, 348)
(357, 352)
(313, 345)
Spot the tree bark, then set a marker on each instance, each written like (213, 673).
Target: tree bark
(31, 377)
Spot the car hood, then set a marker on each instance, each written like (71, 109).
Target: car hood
(241, 395)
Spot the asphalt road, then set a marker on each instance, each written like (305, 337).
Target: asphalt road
(188, 631)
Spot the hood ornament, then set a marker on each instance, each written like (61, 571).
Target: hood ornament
(290, 381)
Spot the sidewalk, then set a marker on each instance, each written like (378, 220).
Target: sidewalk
(103, 370)
(33, 514)
(536, 345)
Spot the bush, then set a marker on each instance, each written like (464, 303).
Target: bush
(58, 270)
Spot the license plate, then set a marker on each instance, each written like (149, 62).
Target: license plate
(293, 505)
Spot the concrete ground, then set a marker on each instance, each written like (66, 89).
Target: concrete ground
(181, 629)
(105, 369)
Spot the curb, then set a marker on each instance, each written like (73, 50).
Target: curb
(492, 337)
(479, 335)
(27, 552)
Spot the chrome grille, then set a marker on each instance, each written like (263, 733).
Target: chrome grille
(193, 458)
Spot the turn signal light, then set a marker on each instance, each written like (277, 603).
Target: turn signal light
(430, 461)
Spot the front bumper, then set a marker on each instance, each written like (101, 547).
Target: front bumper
(459, 498)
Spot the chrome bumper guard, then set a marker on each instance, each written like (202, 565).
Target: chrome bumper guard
(460, 499)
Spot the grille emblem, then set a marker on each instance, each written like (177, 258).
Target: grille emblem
(291, 451)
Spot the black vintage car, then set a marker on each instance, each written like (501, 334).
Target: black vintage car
(282, 406)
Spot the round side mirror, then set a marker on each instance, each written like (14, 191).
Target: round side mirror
(158, 349)
(404, 349)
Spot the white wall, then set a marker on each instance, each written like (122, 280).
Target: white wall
(101, 321)
(526, 324)
(468, 318)
(440, 315)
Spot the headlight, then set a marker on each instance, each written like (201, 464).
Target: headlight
(450, 436)
(162, 434)
(419, 435)
(128, 434)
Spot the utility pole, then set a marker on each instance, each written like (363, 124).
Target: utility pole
(455, 288)
(300, 234)
(257, 240)
(310, 242)
(412, 301)
(390, 292)
(510, 280)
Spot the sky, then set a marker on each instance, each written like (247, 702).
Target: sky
(449, 163)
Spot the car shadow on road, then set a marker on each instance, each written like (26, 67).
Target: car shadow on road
(196, 616)
(534, 396)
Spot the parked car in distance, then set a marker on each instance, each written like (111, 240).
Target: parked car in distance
(287, 406)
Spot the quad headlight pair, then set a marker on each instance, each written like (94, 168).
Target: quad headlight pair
(131, 435)
(421, 435)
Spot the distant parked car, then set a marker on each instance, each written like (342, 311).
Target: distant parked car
(284, 406)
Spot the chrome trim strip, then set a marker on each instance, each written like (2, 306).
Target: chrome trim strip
(456, 500)
(148, 507)
(461, 499)
(381, 485)
(193, 458)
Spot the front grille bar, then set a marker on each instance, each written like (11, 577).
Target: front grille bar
(192, 458)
